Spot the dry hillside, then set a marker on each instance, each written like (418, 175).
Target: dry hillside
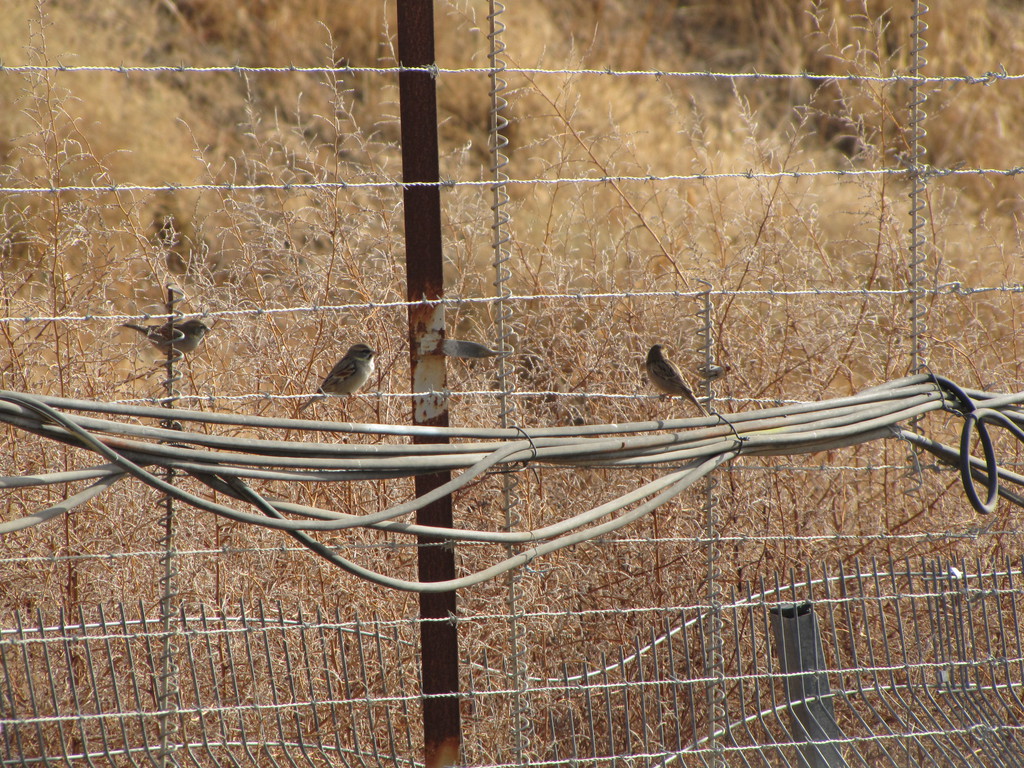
(809, 272)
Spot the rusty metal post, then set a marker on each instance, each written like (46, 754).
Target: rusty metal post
(439, 658)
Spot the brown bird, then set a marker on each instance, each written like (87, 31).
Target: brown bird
(667, 379)
(348, 374)
(713, 371)
(163, 337)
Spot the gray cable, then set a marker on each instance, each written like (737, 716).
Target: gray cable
(684, 449)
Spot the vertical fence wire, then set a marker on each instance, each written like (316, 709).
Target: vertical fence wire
(522, 714)
(715, 660)
(706, 341)
(167, 702)
(918, 256)
(917, 253)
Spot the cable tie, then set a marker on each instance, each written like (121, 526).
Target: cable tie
(524, 463)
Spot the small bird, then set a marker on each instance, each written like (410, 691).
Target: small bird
(348, 375)
(666, 377)
(163, 337)
(713, 371)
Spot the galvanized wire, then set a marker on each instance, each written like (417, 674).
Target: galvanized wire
(714, 644)
(168, 699)
(919, 180)
(987, 78)
(917, 254)
(522, 715)
(294, 187)
(937, 290)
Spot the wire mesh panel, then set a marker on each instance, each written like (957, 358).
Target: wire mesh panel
(257, 686)
(924, 665)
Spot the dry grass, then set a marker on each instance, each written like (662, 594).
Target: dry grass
(73, 254)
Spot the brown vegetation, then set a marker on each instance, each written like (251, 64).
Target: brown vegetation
(83, 253)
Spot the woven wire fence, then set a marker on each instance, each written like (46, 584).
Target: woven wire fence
(693, 632)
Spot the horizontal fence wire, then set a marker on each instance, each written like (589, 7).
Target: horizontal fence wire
(948, 289)
(971, 534)
(544, 394)
(924, 663)
(987, 78)
(299, 186)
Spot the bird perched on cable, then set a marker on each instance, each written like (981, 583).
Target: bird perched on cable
(348, 375)
(666, 377)
(163, 337)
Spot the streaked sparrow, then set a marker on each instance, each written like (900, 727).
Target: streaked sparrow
(163, 337)
(348, 375)
(667, 379)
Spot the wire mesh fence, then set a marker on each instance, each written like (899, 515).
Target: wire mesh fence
(917, 664)
(737, 191)
(257, 686)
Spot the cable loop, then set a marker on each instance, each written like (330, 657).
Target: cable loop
(972, 422)
(976, 420)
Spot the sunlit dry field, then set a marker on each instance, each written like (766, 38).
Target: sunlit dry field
(809, 274)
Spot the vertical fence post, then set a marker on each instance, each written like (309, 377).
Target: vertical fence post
(425, 284)
(802, 660)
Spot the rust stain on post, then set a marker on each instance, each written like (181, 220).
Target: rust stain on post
(429, 371)
(442, 734)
